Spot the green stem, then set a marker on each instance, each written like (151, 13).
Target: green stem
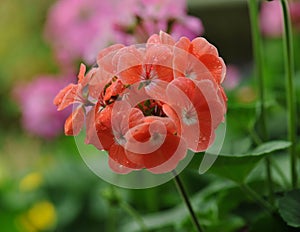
(258, 57)
(259, 64)
(280, 173)
(132, 212)
(111, 220)
(291, 103)
(257, 140)
(187, 202)
(263, 203)
(270, 180)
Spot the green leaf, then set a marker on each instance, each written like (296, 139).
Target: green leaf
(270, 223)
(237, 167)
(270, 147)
(289, 208)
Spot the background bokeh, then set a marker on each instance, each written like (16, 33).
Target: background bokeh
(46, 186)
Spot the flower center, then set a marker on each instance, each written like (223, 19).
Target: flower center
(149, 73)
(151, 107)
(120, 139)
(189, 73)
(189, 116)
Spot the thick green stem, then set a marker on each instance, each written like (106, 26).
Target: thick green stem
(259, 64)
(187, 202)
(290, 90)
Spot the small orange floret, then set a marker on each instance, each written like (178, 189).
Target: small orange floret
(81, 74)
(74, 122)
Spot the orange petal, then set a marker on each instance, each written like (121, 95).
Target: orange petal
(149, 136)
(131, 75)
(128, 62)
(193, 110)
(102, 124)
(117, 154)
(207, 65)
(65, 97)
(103, 117)
(164, 72)
(154, 39)
(171, 113)
(181, 86)
(188, 65)
(136, 117)
(183, 44)
(161, 55)
(74, 122)
(162, 38)
(165, 38)
(162, 157)
(113, 90)
(215, 65)
(200, 46)
(140, 133)
(91, 132)
(81, 74)
(173, 161)
(94, 83)
(156, 89)
(169, 123)
(118, 168)
(109, 50)
(105, 138)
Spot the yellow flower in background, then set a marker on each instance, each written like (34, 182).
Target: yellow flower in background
(31, 181)
(24, 226)
(41, 216)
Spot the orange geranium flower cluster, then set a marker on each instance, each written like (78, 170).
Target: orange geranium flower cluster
(146, 105)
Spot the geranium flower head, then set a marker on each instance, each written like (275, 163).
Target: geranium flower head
(153, 103)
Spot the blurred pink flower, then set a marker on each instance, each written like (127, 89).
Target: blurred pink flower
(155, 15)
(78, 29)
(188, 26)
(160, 9)
(233, 77)
(295, 14)
(74, 26)
(271, 19)
(39, 116)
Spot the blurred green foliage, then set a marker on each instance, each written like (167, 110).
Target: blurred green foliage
(23, 52)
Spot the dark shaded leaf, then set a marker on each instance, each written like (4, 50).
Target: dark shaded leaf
(270, 223)
(289, 208)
